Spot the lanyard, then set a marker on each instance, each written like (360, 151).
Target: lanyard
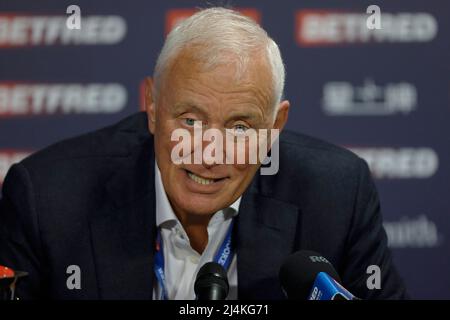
(223, 256)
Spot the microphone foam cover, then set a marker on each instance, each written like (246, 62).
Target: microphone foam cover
(211, 275)
(299, 271)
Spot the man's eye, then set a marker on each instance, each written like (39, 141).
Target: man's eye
(240, 129)
(189, 121)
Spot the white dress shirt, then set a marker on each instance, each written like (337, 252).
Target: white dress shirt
(181, 261)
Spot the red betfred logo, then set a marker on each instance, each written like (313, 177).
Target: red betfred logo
(332, 27)
(33, 99)
(29, 29)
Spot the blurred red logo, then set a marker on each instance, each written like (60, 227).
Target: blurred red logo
(324, 27)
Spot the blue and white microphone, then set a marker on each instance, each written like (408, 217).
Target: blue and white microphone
(307, 275)
(326, 288)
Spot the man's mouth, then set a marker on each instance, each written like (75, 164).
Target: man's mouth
(201, 180)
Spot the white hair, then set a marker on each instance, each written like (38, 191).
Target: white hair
(219, 33)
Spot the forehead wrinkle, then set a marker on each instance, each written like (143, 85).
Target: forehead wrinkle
(252, 94)
(258, 96)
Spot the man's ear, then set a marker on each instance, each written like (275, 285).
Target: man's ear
(150, 104)
(282, 115)
(280, 120)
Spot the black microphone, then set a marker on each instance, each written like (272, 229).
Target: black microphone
(307, 275)
(211, 282)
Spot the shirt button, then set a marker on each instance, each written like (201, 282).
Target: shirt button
(194, 259)
(179, 233)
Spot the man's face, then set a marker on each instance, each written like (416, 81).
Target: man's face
(215, 97)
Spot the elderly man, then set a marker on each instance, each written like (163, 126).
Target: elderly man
(114, 206)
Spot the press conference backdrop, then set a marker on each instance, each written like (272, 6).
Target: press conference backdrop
(383, 93)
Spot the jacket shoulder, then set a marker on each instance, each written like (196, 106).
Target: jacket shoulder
(298, 142)
(112, 141)
(310, 168)
(301, 154)
(79, 167)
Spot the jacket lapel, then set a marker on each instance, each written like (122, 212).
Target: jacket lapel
(265, 234)
(123, 231)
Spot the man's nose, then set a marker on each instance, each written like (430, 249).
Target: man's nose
(213, 146)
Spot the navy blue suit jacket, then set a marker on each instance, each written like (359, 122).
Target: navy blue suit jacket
(90, 201)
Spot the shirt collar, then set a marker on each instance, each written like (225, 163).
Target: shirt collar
(164, 211)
